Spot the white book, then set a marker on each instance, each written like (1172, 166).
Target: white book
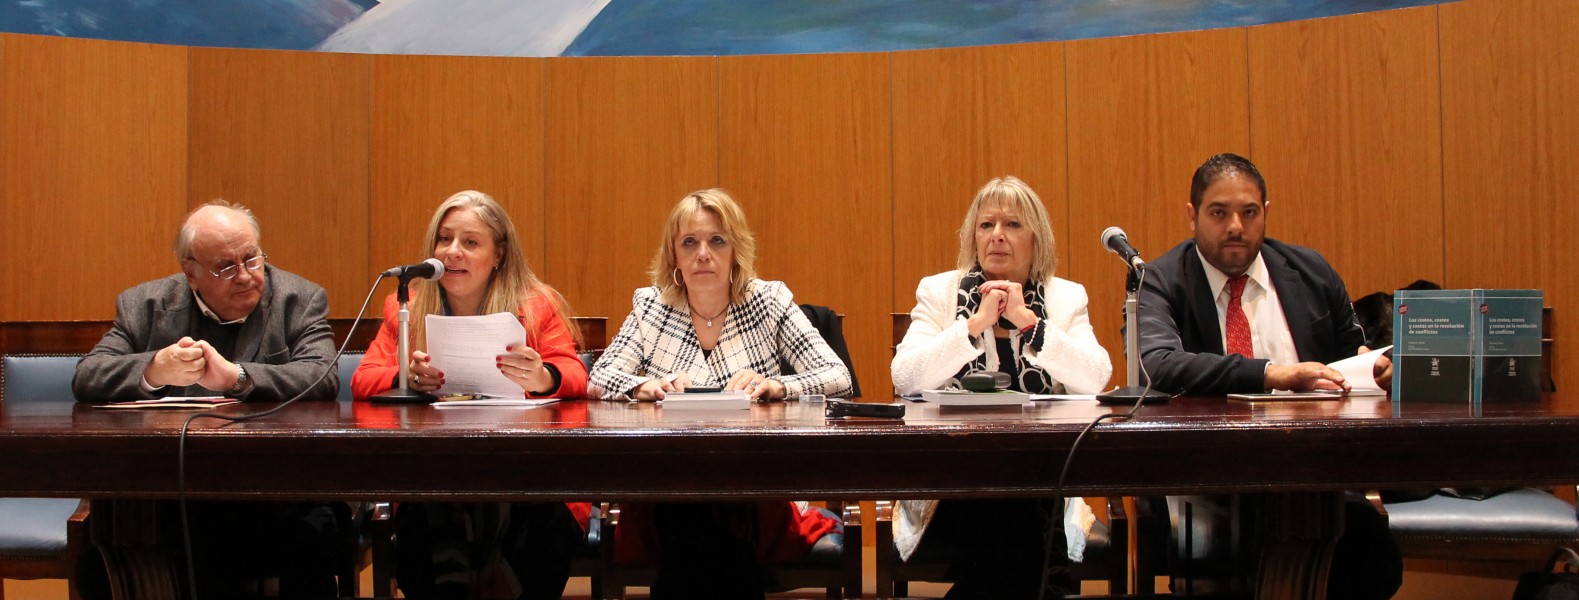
(968, 398)
(709, 401)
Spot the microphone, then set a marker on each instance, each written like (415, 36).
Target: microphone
(1116, 242)
(427, 269)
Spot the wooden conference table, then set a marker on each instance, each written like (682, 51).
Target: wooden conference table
(613, 451)
(619, 451)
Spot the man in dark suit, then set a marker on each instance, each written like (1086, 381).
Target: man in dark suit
(1233, 312)
(1295, 306)
(231, 325)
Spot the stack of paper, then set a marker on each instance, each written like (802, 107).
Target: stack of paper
(174, 402)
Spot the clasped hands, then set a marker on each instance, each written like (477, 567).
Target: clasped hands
(1000, 298)
(520, 364)
(188, 362)
(759, 387)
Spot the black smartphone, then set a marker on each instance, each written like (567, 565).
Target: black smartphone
(842, 408)
(695, 389)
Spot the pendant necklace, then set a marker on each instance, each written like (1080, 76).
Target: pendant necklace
(705, 317)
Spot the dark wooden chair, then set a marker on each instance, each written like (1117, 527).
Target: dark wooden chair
(836, 570)
(1508, 533)
(1106, 555)
(40, 538)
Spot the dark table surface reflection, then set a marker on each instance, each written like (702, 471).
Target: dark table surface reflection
(620, 451)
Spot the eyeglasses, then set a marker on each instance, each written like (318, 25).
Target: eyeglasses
(230, 272)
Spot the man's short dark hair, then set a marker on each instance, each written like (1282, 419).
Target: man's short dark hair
(1219, 167)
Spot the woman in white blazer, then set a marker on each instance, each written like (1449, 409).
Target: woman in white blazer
(1003, 310)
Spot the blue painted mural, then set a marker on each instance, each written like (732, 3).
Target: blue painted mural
(642, 27)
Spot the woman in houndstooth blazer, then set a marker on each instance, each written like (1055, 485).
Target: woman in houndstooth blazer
(708, 321)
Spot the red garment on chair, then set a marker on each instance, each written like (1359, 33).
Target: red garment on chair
(786, 534)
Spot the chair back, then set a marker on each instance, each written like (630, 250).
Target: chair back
(37, 377)
(901, 325)
(348, 364)
(594, 338)
(589, 358)
(830, 325)
(594, 332)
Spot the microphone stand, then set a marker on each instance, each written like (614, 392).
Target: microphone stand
(403, 393)
(1132, 391)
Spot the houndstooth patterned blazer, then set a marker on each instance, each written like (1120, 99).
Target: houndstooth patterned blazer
(657, 339)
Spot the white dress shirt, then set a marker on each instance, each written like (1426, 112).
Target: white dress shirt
(1269, 335)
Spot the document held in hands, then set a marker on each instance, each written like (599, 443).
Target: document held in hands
(1359, 372)
(466, 350)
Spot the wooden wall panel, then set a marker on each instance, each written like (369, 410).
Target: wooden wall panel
(963, 116)
(1510, 112)
(805, 147)
(286, 134)
(442, 124)
(626, 138)
(92, 172)
(1345, 124)
(1144, 112)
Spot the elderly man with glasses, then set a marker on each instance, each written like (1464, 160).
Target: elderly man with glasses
(230, 325)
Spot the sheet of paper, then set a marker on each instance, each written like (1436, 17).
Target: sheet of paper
(494, 403)
(1283, 395)
(1045, 397)
(1359, 371)
(174, 402)
(466, 350)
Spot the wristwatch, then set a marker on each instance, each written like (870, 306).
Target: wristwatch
(243, 383)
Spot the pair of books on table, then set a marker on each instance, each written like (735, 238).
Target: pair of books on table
(1475, 346)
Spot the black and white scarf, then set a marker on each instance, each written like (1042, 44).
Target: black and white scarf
(1032, 379)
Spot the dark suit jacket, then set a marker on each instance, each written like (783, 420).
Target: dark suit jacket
(1181, 344)
(285, 345)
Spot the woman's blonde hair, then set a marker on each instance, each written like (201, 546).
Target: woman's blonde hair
(510, 285)
(1012, 192)
(665, 271)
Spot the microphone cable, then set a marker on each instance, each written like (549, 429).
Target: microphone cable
(1055, 522)
(334, 365)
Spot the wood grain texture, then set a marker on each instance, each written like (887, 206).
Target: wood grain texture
(286, 134)
(805, 147)
(1144, 112)
(1510, 129)
(92, 172)
(963, 116)
(1345, 125)
(442, 124)
(626, 139)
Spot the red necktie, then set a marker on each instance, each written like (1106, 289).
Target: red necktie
(1238, 326)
